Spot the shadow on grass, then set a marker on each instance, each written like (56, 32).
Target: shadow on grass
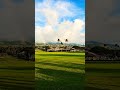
(102, 85)
(9, 86)
(16, 74)
(103, 77)
(63, 80)
(102, 70)
(60, 73)
(18, 68)
(30, 80)
(66, 65)
(61, 55)
(15, 84)
(93, 88)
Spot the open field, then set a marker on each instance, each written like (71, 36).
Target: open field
(102, 76)
(59, 70)
(16, 74)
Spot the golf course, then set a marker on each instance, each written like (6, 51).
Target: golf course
(16, 74)
(102, 76)
(59, 70)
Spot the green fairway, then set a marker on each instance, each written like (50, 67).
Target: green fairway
(59, 70)
(16, 74)
(102, 76)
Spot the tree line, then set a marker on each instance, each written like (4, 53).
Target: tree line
(21, 52)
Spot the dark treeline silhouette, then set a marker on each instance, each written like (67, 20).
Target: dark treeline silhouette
(102, 53)
(21, 52)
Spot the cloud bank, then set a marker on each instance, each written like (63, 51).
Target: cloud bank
(59, 19)
(17, 20)
(103, 21)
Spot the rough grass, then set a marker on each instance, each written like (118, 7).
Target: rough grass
(59, 70)
(16, 74)
(104, 76)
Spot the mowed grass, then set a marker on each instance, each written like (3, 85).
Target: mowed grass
(102, 76)
(59, 70)
(16, 74)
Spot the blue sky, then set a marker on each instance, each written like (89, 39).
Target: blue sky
(64, 19)
(79, 4)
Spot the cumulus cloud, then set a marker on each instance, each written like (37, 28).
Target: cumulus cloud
(53, 21)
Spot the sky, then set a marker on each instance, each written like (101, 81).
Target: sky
(103, 21)
(17, 20)
(60, 19)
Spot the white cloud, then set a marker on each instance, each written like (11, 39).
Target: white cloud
(55, 27)
(65, 30)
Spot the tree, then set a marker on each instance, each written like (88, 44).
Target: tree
(116, 45)
(61, 43)
(66, 40)
(58, 40)
(105, 45)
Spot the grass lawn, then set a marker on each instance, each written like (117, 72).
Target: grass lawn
(102, 76)
(16, 74)
(59, 70)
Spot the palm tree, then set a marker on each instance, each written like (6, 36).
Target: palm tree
(66, 40)
(58, 43)
(58, 40)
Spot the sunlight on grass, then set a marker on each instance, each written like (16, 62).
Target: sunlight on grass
(59, 70)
